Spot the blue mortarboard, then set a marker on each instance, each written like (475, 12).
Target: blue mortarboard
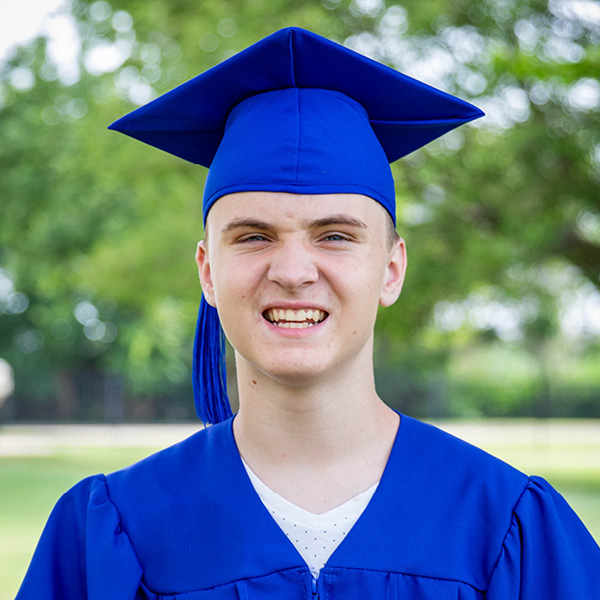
(296, 113)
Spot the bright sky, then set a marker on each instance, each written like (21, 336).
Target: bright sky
(22, 20)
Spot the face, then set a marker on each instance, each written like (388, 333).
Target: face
(297, 279)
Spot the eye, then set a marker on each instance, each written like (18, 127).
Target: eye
(335, 237)
(253, 237)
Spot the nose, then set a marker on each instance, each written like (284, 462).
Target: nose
(292, 266)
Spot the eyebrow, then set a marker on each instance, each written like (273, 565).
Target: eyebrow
(336, 219)
(240, 223)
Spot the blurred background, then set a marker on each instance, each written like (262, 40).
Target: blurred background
(500, 314)
(98, 289)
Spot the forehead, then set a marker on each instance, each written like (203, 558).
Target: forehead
(281, 209)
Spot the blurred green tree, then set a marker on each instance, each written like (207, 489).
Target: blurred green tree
(97, 232)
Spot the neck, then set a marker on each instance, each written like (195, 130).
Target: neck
(308, 414)
(337, 434)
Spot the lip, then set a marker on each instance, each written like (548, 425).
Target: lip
(292, 306)
(293, 332)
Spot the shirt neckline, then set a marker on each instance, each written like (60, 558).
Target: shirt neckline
(301, 515)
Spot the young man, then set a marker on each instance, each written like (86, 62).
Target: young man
(315, 489)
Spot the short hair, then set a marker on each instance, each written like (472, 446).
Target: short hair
(392, 235)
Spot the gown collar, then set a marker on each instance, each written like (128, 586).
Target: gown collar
(350, 552)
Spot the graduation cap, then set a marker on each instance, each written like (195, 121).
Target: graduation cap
(295, 113)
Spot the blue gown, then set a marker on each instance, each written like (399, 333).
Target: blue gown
(448, 521)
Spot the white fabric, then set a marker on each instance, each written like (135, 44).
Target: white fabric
(315, 537)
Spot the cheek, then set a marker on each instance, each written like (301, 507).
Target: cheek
(234, 282)
(367, 293)
(370, 273)
(357, 286)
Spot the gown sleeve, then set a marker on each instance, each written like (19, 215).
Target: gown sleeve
(547, 552)
(83, 552)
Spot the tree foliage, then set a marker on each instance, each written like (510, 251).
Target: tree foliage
(98, 232)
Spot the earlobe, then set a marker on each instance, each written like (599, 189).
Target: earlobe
(204, 273)
(394, 275)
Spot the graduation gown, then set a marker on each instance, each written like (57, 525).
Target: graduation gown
(447, 521)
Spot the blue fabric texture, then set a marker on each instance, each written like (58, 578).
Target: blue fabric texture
(304, 141)
(367, 115)
(447, 521)
(293, 113)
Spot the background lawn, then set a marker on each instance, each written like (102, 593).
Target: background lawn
(38, 464)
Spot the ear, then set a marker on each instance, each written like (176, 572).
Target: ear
(394, 274)
(205, 273)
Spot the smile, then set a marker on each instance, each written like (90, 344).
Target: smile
(294, 319)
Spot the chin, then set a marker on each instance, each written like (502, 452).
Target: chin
(294, 373)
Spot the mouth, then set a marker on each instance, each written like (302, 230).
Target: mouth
(295, 319)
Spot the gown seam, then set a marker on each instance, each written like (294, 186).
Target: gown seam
(122, 527)
(416, 575)
(300, 571)
(510, 527)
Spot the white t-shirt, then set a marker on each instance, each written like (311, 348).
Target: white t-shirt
(315, 537)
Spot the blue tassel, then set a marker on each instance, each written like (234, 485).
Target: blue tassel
(209, 375)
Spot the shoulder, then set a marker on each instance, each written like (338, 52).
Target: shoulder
(177, 504)
(81, 542)
(175, 464)
(453, 502)
(167, 496)
(547, 552)
(135, 495)
(470, 493)
(453, 462)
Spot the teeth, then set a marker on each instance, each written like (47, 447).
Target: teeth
(300, 319)
(294, 325)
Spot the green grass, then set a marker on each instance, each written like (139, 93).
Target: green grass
(30, 485)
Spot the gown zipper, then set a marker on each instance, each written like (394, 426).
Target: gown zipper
(315, 591)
